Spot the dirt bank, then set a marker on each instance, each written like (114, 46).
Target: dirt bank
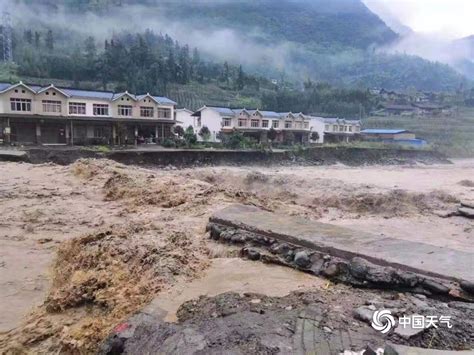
(152, 156)
(85, 246)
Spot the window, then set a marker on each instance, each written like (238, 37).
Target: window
(306, 125)
(276, 124)
(198, 123)
(350, 128)
(99, 132)
(146, 111)
(345, 128)
(124, 110)
(77, 108)
(242, 122)
(299, 125)
(164, 113)
(335, 128)
(100, 110)
(226, 122)
(341, 128)
(51, 106)
(288, 124)
(20, 104)
(254, 123)
(265, 123)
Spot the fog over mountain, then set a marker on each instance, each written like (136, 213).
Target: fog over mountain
(440, 45)
(339, 41)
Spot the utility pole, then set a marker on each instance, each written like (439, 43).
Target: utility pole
(7, 37)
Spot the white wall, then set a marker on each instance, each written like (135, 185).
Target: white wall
(184, 116)
(213, 121)
(316, 124)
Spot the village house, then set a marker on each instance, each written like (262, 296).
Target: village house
(296, 127)
(392, 136)
(341, 130)
(31, 114)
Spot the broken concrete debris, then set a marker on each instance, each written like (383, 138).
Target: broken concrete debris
(466, 212)
(356, 271)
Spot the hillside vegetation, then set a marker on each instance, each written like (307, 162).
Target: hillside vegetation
(330, 41)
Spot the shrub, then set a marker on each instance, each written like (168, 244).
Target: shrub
(205, 133)
(178, 130)
(189, 136)
(314, 136)
(168, 143)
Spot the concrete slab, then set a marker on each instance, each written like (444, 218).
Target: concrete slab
(408, 350)
(13, 155)
(342, 242)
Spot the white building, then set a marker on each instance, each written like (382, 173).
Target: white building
(340, 129)
(32, 114)
(254, 123)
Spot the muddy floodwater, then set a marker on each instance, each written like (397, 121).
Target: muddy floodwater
(84, 246)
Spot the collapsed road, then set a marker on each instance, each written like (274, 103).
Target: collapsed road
(332, 322)
(93, 250)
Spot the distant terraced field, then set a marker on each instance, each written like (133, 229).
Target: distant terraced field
(451, 135)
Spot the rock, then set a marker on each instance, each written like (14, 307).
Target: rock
(446, 214)
(327, 329)
(252, 254)
(419, 304)
(435, 287)
(408, 332)
(372, 307)
(215, 232)
(467, 286)
(281, 249)
(331, 271)
(238, 238)
(420, 296)
(302, 259)
(359, 267)
(363, 313)
(466, 212)
(468, 204)
(390, 350)
(369, 351)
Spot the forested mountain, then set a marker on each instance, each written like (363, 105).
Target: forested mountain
(254, 52)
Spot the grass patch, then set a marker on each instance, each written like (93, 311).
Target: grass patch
(452, 136)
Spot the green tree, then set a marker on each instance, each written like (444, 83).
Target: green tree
(272, 134)
(205, 133)
(240, 78)
(49, 41)
(28, 36)
(314, 136)
(179, 130)
(189, 136)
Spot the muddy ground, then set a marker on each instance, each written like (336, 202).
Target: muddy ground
(84, 246)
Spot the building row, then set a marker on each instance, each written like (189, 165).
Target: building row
(32, 114)
(256, 124)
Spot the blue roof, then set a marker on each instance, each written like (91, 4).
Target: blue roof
(223, 110)
(267, 114)
(104, 95)
(383, 131)
(164, 100)
(4, 86)
(90, 94)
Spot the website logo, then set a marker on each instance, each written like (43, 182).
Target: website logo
(383, 321)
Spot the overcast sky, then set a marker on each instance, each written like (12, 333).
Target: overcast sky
(451, 17)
